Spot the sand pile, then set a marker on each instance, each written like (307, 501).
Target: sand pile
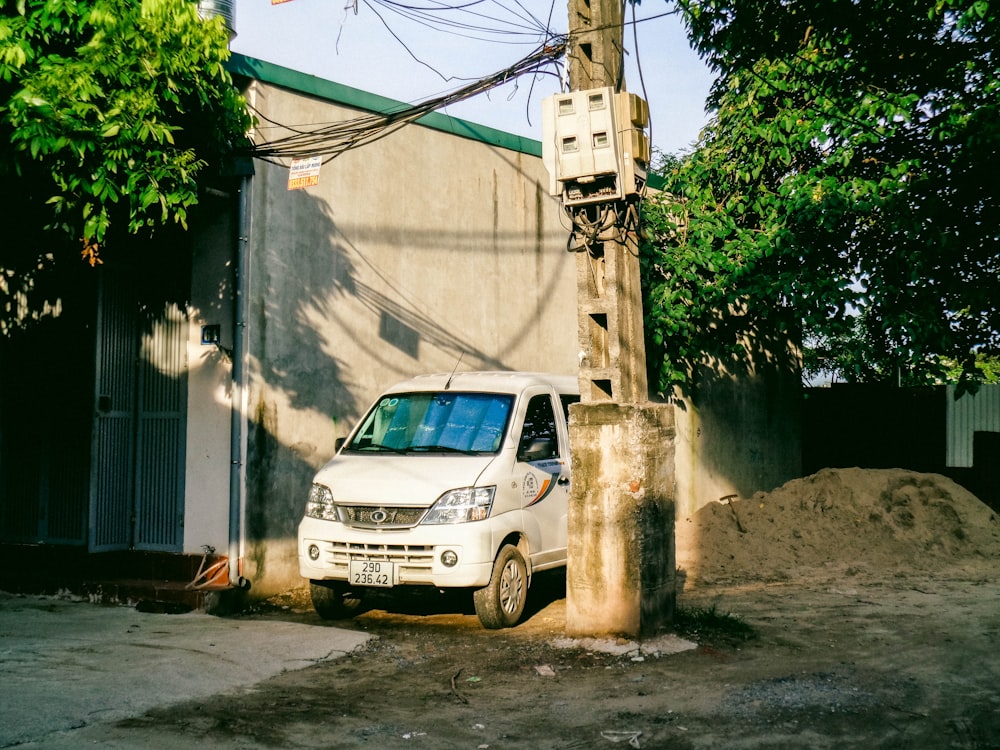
(858, 520)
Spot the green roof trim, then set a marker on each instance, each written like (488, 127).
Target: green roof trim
(352, 97)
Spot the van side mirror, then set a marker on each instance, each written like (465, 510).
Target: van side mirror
(537, 449)
(338, 444)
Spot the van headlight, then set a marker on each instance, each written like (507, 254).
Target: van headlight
(461, 505)
(320, 504)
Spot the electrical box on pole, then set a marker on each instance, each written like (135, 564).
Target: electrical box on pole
(594, 145)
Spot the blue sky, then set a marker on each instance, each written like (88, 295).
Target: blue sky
(373, 47)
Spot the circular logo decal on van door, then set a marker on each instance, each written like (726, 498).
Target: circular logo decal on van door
(529, 488)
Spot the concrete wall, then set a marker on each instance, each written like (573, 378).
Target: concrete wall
(207, 459)
(738, 430)
(411, 253)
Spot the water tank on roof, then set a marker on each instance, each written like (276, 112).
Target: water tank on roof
(224, 8)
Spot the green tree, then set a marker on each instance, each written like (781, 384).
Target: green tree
(843, 191)
(850, 355)
(114, 112)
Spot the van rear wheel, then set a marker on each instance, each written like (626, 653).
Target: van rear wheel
(500, 603)
(334, 600)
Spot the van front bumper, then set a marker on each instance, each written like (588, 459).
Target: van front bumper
(327, 548)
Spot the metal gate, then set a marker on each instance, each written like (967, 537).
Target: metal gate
(137, 470)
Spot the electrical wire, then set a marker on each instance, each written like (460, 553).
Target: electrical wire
(518, 22)
(563, 72)
(332, 139)
(329, 140)
(524, 29)
(594, 224)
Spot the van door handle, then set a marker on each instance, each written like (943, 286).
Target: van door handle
(562, 480)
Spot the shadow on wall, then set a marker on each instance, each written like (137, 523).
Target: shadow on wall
(46, 407)
(738, 426)
(314, 277)
(331, 320)
(52, 415)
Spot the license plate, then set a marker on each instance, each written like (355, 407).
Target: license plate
(369, 573)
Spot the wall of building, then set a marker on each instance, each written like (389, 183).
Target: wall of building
(207, 459)
(421, 252)
(738, 429)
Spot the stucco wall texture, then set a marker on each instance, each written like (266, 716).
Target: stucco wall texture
(422, 252)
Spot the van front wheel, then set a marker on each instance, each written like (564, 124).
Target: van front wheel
(500, 603)
(334, 600)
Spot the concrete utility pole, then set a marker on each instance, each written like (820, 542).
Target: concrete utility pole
(621, 563)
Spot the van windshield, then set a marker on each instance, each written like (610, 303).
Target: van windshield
(442, 422)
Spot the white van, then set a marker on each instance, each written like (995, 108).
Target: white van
(451, 481)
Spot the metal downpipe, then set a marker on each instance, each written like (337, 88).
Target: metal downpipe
(237, 431)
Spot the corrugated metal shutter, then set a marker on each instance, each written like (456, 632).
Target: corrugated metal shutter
(46, 412)
(137, 477)
(112, 468)
(967, 416)
(19, 492)
(160, 433)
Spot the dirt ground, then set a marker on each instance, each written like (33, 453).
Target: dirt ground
(873, 600)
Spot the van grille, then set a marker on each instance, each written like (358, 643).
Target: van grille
(413, 561)
(369, 516)
(395, 553)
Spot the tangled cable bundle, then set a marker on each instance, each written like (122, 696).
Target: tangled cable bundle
(332, 139)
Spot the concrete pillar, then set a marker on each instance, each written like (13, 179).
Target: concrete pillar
(621, 567)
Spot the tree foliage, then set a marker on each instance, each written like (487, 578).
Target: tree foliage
(842, 192)
(114, 111)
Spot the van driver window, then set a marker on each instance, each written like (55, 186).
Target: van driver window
(540, 422)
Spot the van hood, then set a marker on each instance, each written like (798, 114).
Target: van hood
(411, 480)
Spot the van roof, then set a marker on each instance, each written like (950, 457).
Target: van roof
(498, 382)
